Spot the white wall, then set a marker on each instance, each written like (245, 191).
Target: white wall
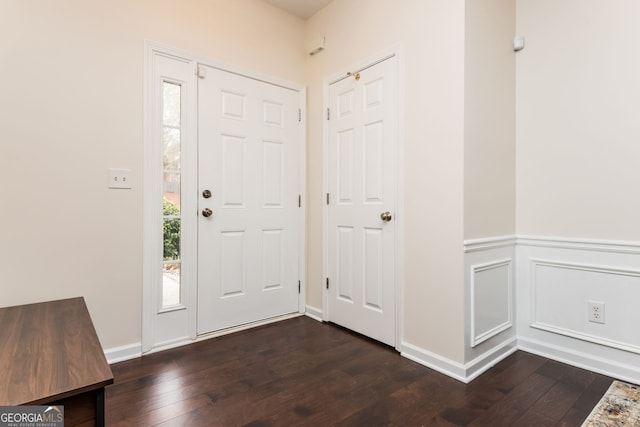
(578, 96)
(489, 102)
(71, 79)
(432, 35)
(577, 112)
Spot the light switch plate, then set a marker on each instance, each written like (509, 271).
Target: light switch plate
(119, 178)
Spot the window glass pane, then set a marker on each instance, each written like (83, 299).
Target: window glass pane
(171, 149)
(171, 139)
(171, 104)
(171, 233)
(171, 186)
(170, 284)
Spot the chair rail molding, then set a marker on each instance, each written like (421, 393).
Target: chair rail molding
(602, 245)
(485, 243)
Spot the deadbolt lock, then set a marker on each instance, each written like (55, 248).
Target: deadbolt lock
(206, 194)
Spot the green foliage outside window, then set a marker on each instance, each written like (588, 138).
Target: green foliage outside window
(171, 230)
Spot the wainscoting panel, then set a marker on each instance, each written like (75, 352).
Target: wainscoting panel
(556, 279)
(489, 301)
(560, 296)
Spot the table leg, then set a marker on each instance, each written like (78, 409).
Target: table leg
(100, 407)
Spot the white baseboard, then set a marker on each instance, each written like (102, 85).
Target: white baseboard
(486, 361)
(604, 366)
(122, 353)
(132, 351)
(314, 313)
(461, 372)
(434, 361)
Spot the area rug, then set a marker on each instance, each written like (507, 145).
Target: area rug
(620, 406)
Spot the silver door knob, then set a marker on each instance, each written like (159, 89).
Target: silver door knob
(386, 216)
(206, 212)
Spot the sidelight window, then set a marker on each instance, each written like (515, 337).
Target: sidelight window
(171, 212)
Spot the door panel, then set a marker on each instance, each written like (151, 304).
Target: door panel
(362, 183)
(248, 159)
(373, 268)
(233, 171)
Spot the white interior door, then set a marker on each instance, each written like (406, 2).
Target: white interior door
(362, 183)
(248, 226)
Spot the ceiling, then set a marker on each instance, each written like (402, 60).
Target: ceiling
(302, 8)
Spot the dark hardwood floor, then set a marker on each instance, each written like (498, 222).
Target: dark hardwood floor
(303, 373)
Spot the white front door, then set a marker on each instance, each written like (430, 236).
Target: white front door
(362, 184)
(249, 136)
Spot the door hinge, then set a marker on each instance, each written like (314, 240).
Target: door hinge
(328, 114)
(299, 115)
(299, 200)
(327, 283)
(327, 198)
(201, 72)
(299, 286)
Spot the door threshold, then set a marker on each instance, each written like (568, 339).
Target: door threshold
(244, 327)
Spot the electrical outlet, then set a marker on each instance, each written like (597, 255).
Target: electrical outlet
(595, 311)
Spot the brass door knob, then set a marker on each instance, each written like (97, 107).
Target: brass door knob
(206, 212)
(386, 216)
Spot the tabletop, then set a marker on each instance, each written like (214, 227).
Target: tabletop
(49, 351)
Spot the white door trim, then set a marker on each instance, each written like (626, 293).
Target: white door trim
(396, 51)
(161, 328)
(152, 243)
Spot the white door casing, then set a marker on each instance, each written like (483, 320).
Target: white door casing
(361, 185)
(248, 159)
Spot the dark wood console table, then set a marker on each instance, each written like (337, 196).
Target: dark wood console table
(50, 351)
